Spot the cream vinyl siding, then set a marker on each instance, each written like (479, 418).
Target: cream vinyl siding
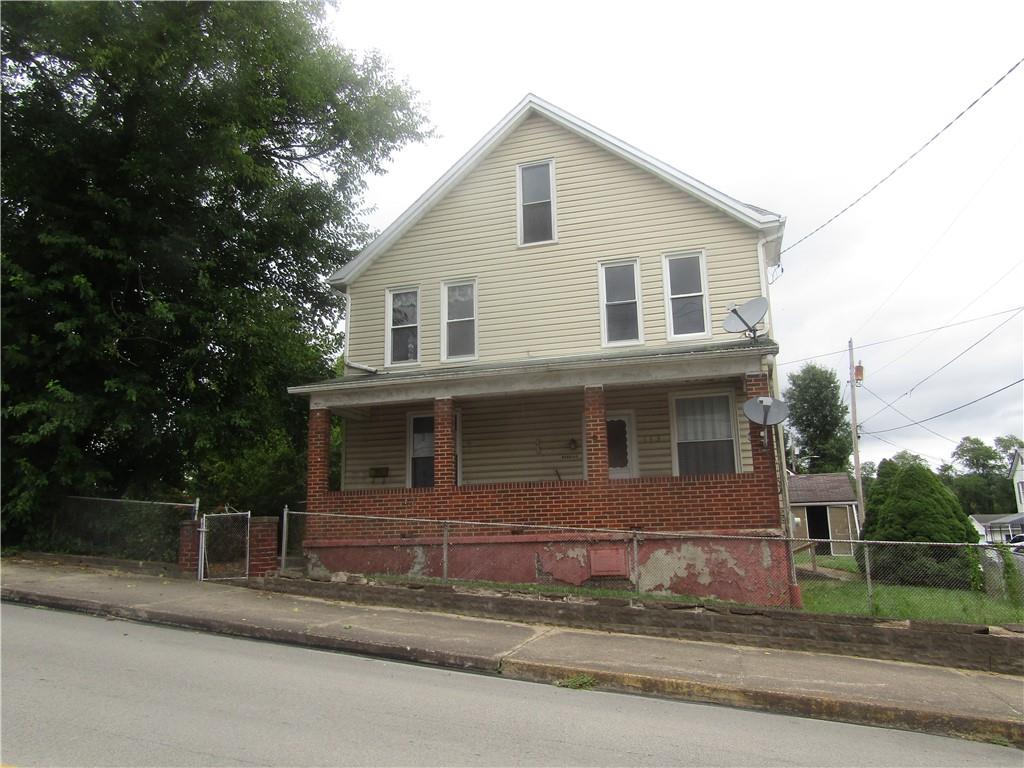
(378, 441)
(522, 438)
(543, 300)
(527, 438)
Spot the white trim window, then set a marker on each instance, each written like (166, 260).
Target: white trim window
(686, 299)
(621, 315)
(458, 320)
(403, 326)
(535, 192)
(704, 435)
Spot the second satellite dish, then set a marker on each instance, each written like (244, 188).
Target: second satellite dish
(744, 319)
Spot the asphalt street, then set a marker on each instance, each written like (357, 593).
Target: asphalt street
(78, 690)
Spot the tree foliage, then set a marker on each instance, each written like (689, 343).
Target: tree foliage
(978, 475)
(178, 180)
(819, 419)
(909, 503)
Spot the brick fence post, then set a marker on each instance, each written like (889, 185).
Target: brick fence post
(264, 557)
(444, 444)
(595, 434)
(188, 547)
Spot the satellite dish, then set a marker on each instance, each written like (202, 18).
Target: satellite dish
(744, 319)
(766, 411)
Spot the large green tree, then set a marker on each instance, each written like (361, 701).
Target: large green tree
(978, 475)
(178, 179)
(819, 420)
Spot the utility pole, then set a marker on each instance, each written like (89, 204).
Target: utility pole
(856, 436)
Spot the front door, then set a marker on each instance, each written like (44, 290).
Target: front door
(621, 445)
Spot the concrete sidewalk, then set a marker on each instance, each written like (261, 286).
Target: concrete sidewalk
(974, 705)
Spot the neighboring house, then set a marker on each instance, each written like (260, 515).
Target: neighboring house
(538, 340)
(1017, 478)
(825, 507)
(1004, 528)
(981, 525)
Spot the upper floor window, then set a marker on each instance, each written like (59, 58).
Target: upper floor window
(536, 203)
(403, 326)
(704, 435)
(685, 295)
(620, 303)
(458, 320)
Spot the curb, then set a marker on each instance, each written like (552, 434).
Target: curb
(861, 713)
(254, 631)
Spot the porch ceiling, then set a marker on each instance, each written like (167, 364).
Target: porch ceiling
(635, 367)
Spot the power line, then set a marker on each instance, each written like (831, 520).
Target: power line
(954, 316)
(941, 367)
(951, 410)
(928, 252)
(901, 338)
(901, 413)
(889, 175)
(904, 448)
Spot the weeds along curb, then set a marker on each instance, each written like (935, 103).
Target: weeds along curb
(983, 729)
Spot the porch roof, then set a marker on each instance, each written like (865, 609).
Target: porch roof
(638, 366)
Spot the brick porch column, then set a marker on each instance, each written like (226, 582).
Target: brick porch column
(188, 547)
(264, 556)
(319, 456)
(756, 385)
(595, 434)
(444, 443)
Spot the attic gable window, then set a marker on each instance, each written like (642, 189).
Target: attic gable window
(536, 203)
(403, 326)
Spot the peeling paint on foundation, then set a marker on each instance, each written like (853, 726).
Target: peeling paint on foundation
(766, 555)
(419, 562)
(667, 565)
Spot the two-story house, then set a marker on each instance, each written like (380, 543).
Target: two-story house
(538, 340)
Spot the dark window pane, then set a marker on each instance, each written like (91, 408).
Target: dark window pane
(688, 315)
(460, 338)
(684, 275)
(536, 183)
(618, 448)
(422, 471)
(706, 458)
(403, 344)
(460, 301)
(536, 222)
(622, 322)
(619, 284)
(403, 308)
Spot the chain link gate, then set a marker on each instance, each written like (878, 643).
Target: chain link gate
(224, 546)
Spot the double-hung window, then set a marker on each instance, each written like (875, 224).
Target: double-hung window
(536, 203)
(421, 451)
(686, 305)
(403, 345)
(458, 321)
(620, 303)
(704, 435)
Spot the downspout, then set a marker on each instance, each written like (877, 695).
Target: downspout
(360, 367)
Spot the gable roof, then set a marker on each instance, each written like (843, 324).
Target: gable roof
(771, 224)
(814, 489)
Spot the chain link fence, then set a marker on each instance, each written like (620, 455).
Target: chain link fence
(224, 548)
(900, 580)
(129, 529)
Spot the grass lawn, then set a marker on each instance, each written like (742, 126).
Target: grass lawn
(899, 602)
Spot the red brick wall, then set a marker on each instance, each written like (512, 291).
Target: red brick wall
(595, 435)
(264, 555)
(318, 471)
(444, 444)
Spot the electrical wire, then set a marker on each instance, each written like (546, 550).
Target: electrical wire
(941, 367)
(889, 175)
(953, 317)
(931, 248)
(904, 448)
(901, 413)
(901, 338)
(945, 413)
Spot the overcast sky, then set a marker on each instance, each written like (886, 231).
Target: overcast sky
(794, 107)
